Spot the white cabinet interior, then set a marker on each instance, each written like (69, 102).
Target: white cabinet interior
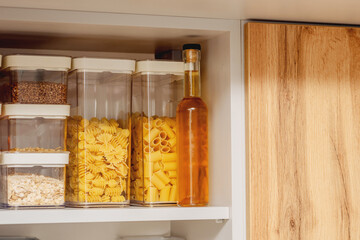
(138, 36)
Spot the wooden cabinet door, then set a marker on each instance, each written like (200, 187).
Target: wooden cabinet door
(303, 139)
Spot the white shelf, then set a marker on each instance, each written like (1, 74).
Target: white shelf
(132, 214)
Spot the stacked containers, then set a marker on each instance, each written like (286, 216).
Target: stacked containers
(32, 131)
(157, 90)
(99, 133)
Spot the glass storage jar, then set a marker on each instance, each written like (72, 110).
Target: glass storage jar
(34, 79)
(157, 90)
(33, 128)
(32, 180)
(98, 174)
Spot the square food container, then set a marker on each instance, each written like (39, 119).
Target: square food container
(98, 174)
(33, 127)
(33, 79)
(156, 91)
(32, 180)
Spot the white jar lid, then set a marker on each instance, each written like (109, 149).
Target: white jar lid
(161, 67)
(16, 158)
(49, 111)
(103, 65)
(32, 62)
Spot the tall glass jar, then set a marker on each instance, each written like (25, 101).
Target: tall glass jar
(157, 90)
(98, 174)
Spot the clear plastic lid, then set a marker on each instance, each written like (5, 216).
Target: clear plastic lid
(31, 159)
(53, 111)
(160, 67)
(103, 64)
(33, 62)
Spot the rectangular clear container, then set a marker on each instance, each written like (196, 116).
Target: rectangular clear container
(157, 90)
(33, 79)
(33, 128)
(32, 180)
(98, 130)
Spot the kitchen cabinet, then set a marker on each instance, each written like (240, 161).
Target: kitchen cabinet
(115, 35)
(302, 116)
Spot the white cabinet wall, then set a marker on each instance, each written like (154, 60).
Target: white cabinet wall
(81, 33)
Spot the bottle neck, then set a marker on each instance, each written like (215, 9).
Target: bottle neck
(192, 81)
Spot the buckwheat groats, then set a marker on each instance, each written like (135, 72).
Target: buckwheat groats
(34, 79)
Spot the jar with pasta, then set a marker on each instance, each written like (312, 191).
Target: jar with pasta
(157, 89)
(98, 174)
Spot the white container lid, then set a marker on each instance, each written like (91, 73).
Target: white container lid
(32, 62)
(162, 67)
(51, 111)
(16, 158)
(103, 65)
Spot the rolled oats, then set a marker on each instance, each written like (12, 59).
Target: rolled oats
(34, 190)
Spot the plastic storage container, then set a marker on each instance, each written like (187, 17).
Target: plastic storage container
(32, 180)
(157, 90)
(34, 79)
(99, 133)
(33, 127)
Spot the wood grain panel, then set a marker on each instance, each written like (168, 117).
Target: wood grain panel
(303, 139)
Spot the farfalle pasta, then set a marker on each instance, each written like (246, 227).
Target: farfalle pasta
(98, 171)
(153, 176)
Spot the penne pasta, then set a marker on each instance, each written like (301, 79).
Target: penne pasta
(157, 123)
(172, 142)
(170, 122)
(160, 174)
(169, 157)
(152, 194)
(148, 169)
(173, 181)
(168, 130)
(163, 135)
(158, 166)
(172, 174)
(164, 143)
(158, 183)
(148, 149)
(153, 157)
(173, 194)
(154, 166)
(155, 142)
(165, 149)
(152, 134)
(169, 166)
(147, 183)
(165, 194)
